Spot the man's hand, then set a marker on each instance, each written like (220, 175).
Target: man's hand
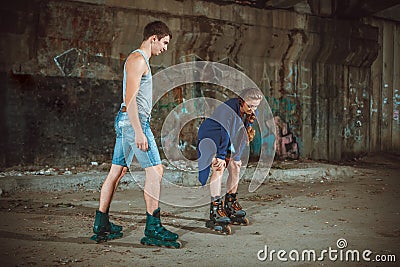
(219, 164)
(141, 141)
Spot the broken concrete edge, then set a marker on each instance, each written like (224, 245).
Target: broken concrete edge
(134, 179)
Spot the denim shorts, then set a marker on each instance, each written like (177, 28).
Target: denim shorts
(125, 147)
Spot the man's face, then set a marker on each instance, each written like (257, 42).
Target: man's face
(250, 105)
(159, 46)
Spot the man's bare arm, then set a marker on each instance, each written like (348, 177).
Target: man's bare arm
(135, 68)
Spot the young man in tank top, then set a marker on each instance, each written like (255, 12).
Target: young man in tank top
(135, 139)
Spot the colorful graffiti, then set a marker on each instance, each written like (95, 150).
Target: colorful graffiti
(396, 105)
(286, 146)
(288, 108)
(356, 119)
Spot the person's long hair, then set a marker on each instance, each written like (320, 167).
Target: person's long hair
(250, 94)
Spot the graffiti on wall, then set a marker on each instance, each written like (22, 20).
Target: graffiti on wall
(286, 146)
(396, 106)
(288, 108)
(293, 95)
(174, 104)
(76, 62)
(67, 61)
(356, 115)
(293, 84)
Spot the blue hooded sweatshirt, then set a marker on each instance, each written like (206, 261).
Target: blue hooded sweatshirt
(224, 131)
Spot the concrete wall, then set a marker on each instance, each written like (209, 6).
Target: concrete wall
(385, 89)
(335, 82)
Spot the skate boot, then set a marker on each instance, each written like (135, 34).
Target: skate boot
(234, 210)
(219, 221)
(103, 229)
(156, 234)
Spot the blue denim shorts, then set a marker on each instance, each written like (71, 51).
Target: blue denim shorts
(125, 147)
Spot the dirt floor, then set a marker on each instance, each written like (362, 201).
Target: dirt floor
(297, 219)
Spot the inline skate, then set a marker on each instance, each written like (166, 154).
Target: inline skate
(219, 221)
(234, 210)
(105, 230)
(156, 234)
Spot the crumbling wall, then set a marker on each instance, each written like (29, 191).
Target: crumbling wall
(61, 71)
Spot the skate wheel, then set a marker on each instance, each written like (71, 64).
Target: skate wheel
(149, 241)
(96, 238)
(246, 221)
(144, 241)
(173, 244)
(227, 230)
(177, 244)
(99, 238)
(105, 237)
(218, 228)
(114, 236)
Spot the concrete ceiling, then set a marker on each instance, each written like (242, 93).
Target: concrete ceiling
(345, 9)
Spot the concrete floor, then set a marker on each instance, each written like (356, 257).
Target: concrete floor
(52, 228)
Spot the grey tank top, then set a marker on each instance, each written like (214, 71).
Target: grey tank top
(144, 97)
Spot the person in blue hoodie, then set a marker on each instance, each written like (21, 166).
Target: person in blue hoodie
(221, 141)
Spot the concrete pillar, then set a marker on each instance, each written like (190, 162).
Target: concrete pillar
(396, 90)
(387, 86)
(376, 91)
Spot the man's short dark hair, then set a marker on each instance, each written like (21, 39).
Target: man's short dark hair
(158, 28)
